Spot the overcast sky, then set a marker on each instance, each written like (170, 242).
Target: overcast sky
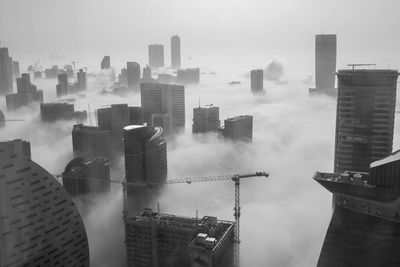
(84, 29)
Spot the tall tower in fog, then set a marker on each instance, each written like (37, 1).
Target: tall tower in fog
(256, 77)
(6, 72)
(325, 64)
(175, 52)
(133, 74)
(365, 117)
(106, 63)
(156, 55)
(167, 99)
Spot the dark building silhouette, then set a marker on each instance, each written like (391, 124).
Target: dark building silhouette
(87, 176)
(239, 128)
(175, 52)
(37, 75)
(325, 64)
(81, 75)
(56, 111)
(147, 74)
(6, 72)
(53, 72)
(106, 62)
(257, 80)
(156, 56)
(133, 74)
(365, 117)
(188, 76)
(40, 224)
(158, 98)
(2, 120)
(164, 240)
(15, 69)
(145, 154)
(27, 94)
(123, 78)
(90, 141)
(365, 226)
(62, 86)
(115, 118)
(206, 119)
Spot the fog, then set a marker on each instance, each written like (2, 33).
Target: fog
(284, 217)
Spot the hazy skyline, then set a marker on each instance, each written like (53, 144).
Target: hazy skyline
(210, 30)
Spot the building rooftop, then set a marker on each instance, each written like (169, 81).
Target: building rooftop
(241, 117)
(383, 72)
(392, 158)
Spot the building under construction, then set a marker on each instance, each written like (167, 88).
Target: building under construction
(156, 239)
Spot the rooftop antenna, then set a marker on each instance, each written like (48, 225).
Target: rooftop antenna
(359, 65)
(199, 101)
(158, 207)
(197, 214)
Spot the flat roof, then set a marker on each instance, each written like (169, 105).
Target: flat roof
(392, 158)
(367, 71)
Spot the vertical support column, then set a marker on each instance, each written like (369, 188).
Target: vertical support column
(236, 179)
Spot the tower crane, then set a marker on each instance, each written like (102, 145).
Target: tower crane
(234, 177)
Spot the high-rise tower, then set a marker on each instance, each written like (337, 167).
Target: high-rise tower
(256, 77)
(175, 52)
(325, 64)
(6, 72)
(133, 74)
(156, 55)
(365, 117)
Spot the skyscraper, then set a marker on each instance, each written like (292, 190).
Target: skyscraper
(145, 154)
(325, 64)
(2, 119)
(133, 74)
(115, 118)
(87, 176)
(50, 112)
(147, 74)
(239, 128)
(106, 62)
(16, 71)
(40, 224)
(188, 76)
(90, 141)
(81, 75)
(158, 98)
(175, 52)
(123, 77)
(365, 118)
(164, 240)
(6, 72)
(27, 93)
(156, 55)
(257, 79)
(62, 86)
(205, 119)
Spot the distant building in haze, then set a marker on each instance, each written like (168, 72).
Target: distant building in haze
(27, 94)
(6, 72)
(164, 240)
(40, 224)
(156, 55)
(145, 154)
(2, 119)
(162, 120)
(158, 98)
(87, 176)
(257, 80)
(175, 52)
(365, 117)
(37, 75)
(62, 86)
(123, 78)
(53, 72)
(325, 64)
(106, 63)
(239, 128)
(55, 111)
(90, 141)
(188, 76)
(16, 70)
(206, 119)
(81, 75)
(147, 74)
(133, 74)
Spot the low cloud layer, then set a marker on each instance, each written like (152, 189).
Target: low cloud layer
(284, 218)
